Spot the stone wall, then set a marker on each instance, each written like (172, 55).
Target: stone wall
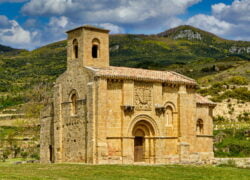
(239, 162)
(115, 139)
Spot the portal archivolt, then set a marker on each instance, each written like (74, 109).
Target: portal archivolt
(143, 133)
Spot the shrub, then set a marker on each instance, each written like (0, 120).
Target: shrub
(238, 80)
(24, 155)
(5, 154)
(35, 156)
(219, 119)
(241, 93)
(216, 88)
(233, 144)
(245, 117)
(16, 149)
(6, 101)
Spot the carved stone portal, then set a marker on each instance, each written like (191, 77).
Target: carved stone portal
(143, 96)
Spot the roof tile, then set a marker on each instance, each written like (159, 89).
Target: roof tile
(142, 75)
(202, 100)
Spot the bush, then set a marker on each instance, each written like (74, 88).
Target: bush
(35, 156)
(219, 119)
(5, 154)
(6, 101)
(216, 88)
(241, 93)
(24, 155)
(238, 80)
(245, 117)
(232, 144)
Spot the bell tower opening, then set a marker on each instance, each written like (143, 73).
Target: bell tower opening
(75, 48)
(95, 51)
(89, 45)
(95, 48)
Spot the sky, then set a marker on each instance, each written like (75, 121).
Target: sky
(28, 24)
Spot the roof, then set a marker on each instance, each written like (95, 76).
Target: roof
(88, 27)
(204, 101)
(142, 75)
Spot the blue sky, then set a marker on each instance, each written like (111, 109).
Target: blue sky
(29, 24)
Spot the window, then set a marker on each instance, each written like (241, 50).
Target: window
(95, 51)
(73, 104)
(199, 126)
(169, 115)
(95, 48)
(75, 48)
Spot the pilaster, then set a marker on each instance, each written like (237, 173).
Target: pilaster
(58, 123)
(101, 121)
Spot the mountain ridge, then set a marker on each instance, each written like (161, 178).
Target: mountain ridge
(23, 71)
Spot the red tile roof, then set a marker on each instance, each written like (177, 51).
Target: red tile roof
(142, 75)
(204, 101)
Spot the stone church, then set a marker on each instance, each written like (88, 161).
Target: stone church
(101, 114)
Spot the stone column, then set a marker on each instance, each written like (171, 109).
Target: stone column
(46, 134)
(186, 106)
(91, 141)
(127, 145)
(101, 121)
(152, 151)
(58, 124)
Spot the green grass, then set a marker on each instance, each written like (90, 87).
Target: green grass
(78, 171)
(233, 144)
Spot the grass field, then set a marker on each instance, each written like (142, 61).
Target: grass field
(79, 171)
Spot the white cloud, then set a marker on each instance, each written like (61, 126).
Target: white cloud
(217, 8)
(30, 23)
(4, 22)
(210, 23)
(138, 16)
(120, 16)
(114, 11)
(15, 35)
(228, 21)
(47, 7)
(55, 29)
(60, 22)
(237, 12)
(114, 29)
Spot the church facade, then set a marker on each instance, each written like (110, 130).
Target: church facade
(101, 114)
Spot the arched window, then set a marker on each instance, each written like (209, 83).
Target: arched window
(75, 48)
(169, 115)
(199, 126)
(95, 51)
(95, 48)
(73, 104)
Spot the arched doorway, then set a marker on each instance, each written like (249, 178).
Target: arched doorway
(143, 142)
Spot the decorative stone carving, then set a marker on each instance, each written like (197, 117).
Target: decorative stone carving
(143, 96)
(128, 108)
(160, 109)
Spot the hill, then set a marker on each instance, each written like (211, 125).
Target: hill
(4, 49)
(185, 49)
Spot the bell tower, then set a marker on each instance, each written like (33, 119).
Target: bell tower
(88, 46)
